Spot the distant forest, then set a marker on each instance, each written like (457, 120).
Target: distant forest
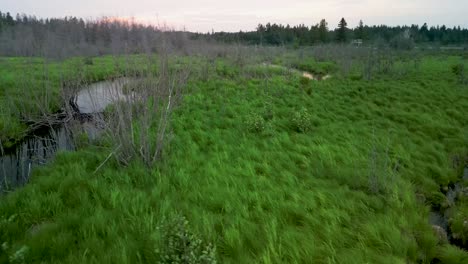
(70, 36)
(25, 35)
(398, 36)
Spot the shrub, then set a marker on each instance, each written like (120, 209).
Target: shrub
(302, 121)
(450, 255)
(402, 43)
(314, 67)
(304, 81)
(255, 123)
(459, 71)
(356, 77)
(226, 71)
(81, 139)
(19, 255)
(437, 200)
(179, 245)
(88, 61)
(459, 224)
(268, 111)
(8, 254)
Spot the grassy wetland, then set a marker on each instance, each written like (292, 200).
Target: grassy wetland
(244, 154)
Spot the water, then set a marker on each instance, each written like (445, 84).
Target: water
(16, 164)
(96, 97)
(40, 146)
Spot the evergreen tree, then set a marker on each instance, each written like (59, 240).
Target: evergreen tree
(9, 19)
(261, 31)
(323, 30)
(1, 21)
(360, 30)
(341, 32)
(423, 32)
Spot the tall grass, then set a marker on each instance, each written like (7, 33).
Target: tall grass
(139, 126)
(341, 191)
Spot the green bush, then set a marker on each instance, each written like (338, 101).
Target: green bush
(304, 81)
(9, 254)
(437, 200)
(314, 67)
(88, 61)
(19, 255)
(459, 71)
(459, 223)
(182, 246)
(268, 111)
(451, 255)
(302, 121)
(255, 123)
(226, 71)
(356, 77)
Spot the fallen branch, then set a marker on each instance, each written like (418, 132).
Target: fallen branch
(108, 157)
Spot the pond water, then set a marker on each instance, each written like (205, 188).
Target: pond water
(96, 97)
(40, 146)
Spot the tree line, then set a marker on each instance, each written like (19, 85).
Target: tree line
(25, 35)
(397, 36)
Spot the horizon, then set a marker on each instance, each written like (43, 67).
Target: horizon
(208, 15)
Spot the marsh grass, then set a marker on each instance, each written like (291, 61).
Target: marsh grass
(34, 89)
(331, 195)
(139, 125)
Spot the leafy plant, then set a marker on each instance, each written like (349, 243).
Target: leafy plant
(459, 71)
(302, 121)
(182, 246)
(226, 71)
(88, 61)
(304, 81)
(255, 123)
(268, 111)
(19, 255)
(319, 68)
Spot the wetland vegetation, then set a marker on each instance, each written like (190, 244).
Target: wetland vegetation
(229, 153)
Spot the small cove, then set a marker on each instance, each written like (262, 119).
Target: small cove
(41, 145)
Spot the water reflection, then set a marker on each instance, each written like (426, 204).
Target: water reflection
(16, 164)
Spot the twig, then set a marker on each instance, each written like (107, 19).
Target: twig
(108, 157)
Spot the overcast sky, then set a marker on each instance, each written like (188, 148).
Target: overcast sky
(235, 15)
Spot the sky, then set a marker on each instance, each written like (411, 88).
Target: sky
(235, 15)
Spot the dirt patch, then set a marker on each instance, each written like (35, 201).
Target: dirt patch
(308, 75)
(304, 74)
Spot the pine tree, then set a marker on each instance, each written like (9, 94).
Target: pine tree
(1, 21)
(9, 19)
(323, 30)
(360, 30)
(341, 32)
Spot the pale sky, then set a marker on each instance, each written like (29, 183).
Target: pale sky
(235, 15)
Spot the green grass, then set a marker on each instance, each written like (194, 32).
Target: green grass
(279, 194)
(312, 66)
(33, 86)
